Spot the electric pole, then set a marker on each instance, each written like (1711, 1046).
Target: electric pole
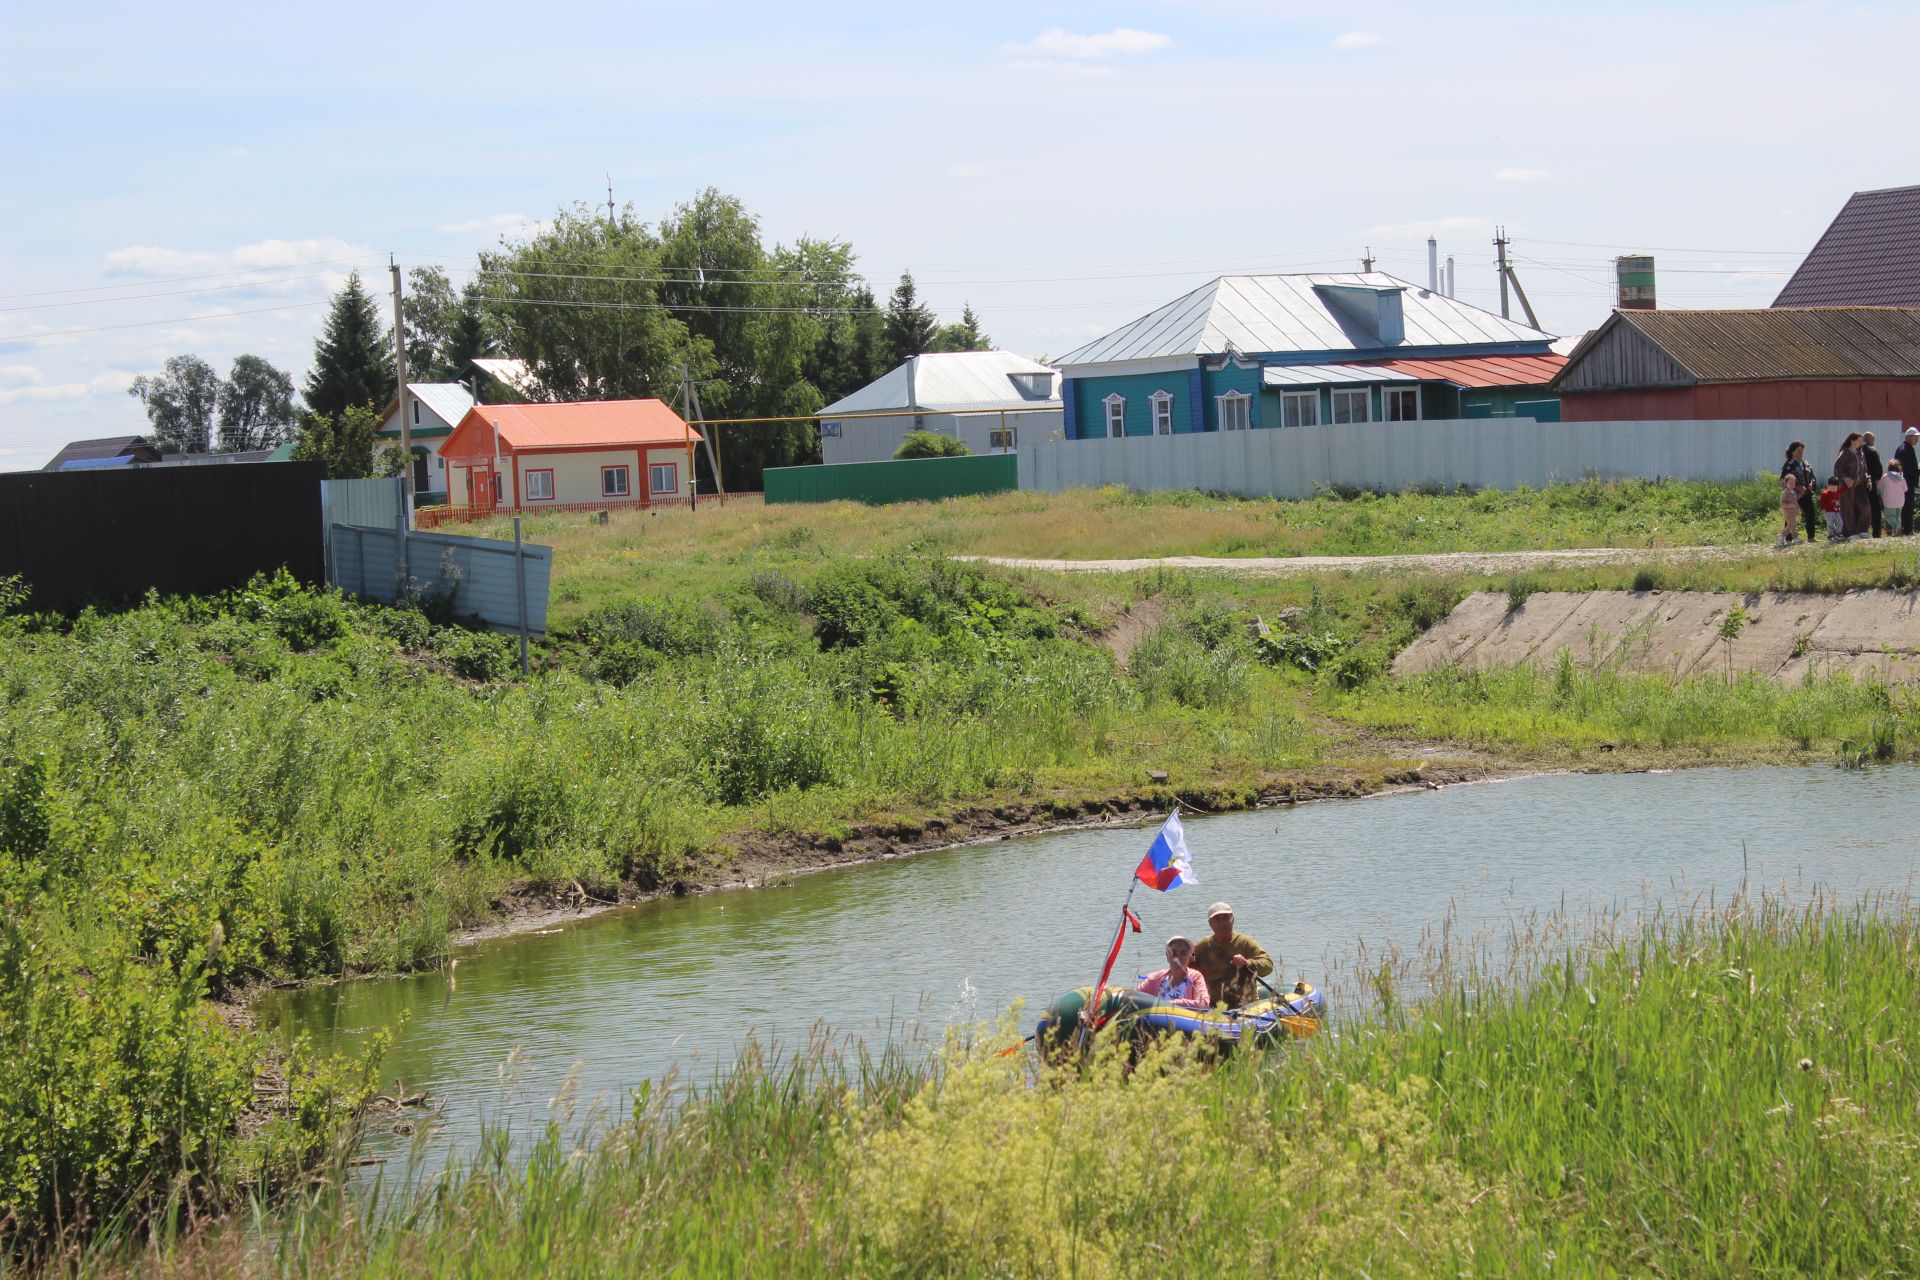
(1500, 264)
(400, 399)
(1366, 263)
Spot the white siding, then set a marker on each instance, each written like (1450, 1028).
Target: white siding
(874, 439)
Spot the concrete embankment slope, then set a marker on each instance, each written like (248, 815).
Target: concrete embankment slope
(1867, 634)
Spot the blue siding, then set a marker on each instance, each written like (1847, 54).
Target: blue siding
(1232, 378)
(1090, 397)
(1070, 406)
(1196, 401)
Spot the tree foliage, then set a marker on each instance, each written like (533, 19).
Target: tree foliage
(181, 401)
(256, 405)
(963, 336)
(352, 361)
(343, 442)
(931, 444)
(910, 327)
(445, 329)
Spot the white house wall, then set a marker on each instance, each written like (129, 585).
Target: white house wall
(576, 476)
(875, 439)
(1490, 453)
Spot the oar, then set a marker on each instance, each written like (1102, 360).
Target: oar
(1300, 1026)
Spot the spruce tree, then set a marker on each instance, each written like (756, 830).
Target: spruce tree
(910, 326)
(351, 362)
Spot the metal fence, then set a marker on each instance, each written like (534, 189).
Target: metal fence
(910, 480)
(1490, 453)
(498, 582)
(102, 537)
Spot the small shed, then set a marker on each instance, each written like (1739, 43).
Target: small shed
(1835, 364)
(988, 399)
(107, 451)
(546, 457)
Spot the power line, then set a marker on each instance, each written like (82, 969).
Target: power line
(170, 293)
(219, 275)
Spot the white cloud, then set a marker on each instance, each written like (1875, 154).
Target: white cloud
(1355, 40)
(265, 255)
(1121, 42)
(971, 170)
(498, 224)
(105, 384)
(1439, 227)
(20, 375)
(1057, 67)
(1513, 174)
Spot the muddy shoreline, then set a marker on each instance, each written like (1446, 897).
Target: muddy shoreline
(762, 858)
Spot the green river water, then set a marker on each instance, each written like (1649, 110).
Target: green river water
(905, 947)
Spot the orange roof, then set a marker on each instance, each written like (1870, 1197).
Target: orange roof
(593, 424)
(1479, 371)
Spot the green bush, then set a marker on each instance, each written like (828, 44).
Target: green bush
(477, 655)
(1171, 666)
(930, 444)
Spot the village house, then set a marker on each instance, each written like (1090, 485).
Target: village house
(103, 452)
(545, 457)
(1247, 352)
(434, 409)
(1869, 257)
(987, 399)
(1827, 363)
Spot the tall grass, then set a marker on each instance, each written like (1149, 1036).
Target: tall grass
(1728, 1094)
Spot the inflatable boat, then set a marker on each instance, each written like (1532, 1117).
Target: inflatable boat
(1290, 1015)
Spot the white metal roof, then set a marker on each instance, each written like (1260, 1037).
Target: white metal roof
(449, 401)
(1256, 314)
(512, 372)
(943, 381)
(1319, 375)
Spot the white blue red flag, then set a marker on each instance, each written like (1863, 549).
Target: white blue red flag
(1166, 865)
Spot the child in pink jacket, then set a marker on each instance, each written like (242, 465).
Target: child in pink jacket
(1177, 984)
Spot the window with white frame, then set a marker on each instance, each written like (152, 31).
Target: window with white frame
(663, 477)
(1400, 404)
(1001, 437)
(1350, 404)
(614, 482)
(1116, 415)
(540, 486)
(1236, 411)
(1162, 413)
(1299, 408)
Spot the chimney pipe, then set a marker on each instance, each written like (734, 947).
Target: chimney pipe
(1450, 280)
(1433, 265)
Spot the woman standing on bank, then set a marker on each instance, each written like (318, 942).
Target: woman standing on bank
(1797, 467)
(1851, 469)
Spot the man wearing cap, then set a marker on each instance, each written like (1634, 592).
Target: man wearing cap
(1908, 461)
(1230, 961)
(1875, 469)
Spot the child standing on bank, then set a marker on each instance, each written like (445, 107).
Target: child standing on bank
(1830, 503)
(1790, 509)
(1893, 490)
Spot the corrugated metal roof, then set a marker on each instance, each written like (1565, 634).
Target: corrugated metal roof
(449, 401)
(1480, 371)
(512, 372)
(612, 424)
(1772, 343)
(1260, 314)
(99, 447)
(97, 464)
(1869, 257)
(943, 381)
(1320, 375)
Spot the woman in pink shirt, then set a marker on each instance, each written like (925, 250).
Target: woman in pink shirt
(1177, 984)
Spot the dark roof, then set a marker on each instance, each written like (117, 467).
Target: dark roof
(1869, 257)
(104, 447)
(1750, 346)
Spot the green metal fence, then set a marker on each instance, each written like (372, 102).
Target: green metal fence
(915, 480)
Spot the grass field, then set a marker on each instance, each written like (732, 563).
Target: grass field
(1725, 1095)
(200, 794)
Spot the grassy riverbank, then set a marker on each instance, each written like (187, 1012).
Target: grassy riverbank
(197, 796)
(1717, 1096)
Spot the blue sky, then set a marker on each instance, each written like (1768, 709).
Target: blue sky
(1062, 167)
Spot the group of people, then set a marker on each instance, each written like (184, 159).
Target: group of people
(1222, 970)
(1863, 497)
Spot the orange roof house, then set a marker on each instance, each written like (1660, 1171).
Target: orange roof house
(531, 457)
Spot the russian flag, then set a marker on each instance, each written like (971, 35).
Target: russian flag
(1166, 865)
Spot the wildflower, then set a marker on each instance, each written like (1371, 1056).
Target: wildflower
(1806, 1064)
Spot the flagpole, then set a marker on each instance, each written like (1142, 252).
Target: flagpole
(1100, 983)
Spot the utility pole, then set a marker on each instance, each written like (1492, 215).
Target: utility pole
(1500, 264)
(1366, 263)
(686, 413)
(406, 424)
(609, 199)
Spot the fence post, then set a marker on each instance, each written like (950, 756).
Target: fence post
(520, 590)
(402, 563)
(360, 550)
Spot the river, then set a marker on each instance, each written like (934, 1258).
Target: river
(905, 946)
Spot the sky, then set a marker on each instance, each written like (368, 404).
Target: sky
(199, 178)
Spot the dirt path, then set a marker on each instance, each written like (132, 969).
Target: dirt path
(1438, 562)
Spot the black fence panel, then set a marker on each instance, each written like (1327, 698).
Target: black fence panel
(102, 537)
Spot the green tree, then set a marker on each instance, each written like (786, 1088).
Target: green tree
(470, 335)
(255, 406)
(181, 401)
(931, 444)
(352, 361)
(429, 308)
(964, 336)
(579, 303)
(343, 442)
(909, 327)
